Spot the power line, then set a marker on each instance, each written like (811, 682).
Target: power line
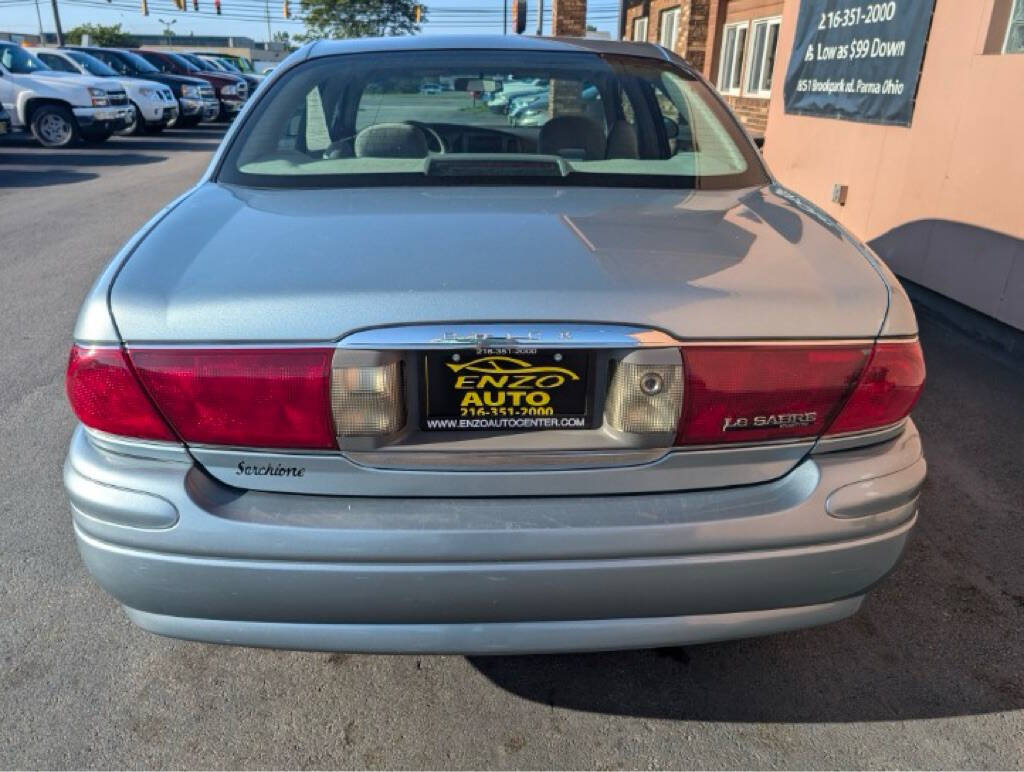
(453, 16)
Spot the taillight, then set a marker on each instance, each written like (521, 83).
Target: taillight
(754, 393)
(887, 391)
(259, 398)
(106, 395)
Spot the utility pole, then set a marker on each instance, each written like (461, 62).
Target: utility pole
(504, 16)
(540, 18)
(39, 17)
(268, 23)
(56, 24)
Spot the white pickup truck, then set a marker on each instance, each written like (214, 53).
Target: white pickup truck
(59, 108)
(153, 105)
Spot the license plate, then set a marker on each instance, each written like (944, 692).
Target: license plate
(506, 390)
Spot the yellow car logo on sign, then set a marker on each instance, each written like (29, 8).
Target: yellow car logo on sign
(499, 365)
(514, 381)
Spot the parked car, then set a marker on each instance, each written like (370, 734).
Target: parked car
(196, 98)
(533, 110)
(242, 64)
(431, 88)
(153, 105)
(57, 107)
(5, 121)
(210, 63)
(231, 90)
(513, 87)
(322, 407)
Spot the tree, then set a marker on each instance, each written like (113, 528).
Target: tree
(359, 18)
(101, 35)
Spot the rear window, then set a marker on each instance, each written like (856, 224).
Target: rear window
(496, 117)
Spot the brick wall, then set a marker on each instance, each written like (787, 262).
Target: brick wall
(753, 112)
(691, 33)
(700, 35)
(632, 12)
(569, 18)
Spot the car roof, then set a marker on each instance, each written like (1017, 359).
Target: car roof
(491, 42)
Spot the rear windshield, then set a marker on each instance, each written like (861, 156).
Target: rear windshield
(495, 117)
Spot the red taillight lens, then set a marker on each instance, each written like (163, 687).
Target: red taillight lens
(765, 392)
(106, 395)
(259, 398)
(887, 391)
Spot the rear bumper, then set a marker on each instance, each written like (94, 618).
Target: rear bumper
(498, 637)
(192, 558)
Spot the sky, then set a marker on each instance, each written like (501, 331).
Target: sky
(248, 17)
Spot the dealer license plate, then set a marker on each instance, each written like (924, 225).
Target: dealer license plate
(506, 390)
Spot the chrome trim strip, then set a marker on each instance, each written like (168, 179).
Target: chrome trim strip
(512, 461)
(859, 439)
(270, 344)
(507, 335)
(367, 340)
(158, 450)
(201, 446)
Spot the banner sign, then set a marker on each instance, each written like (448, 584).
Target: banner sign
(858, 60)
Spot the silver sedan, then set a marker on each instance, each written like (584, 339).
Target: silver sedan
(395, 376)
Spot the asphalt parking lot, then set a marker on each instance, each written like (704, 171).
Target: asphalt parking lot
(929, 674)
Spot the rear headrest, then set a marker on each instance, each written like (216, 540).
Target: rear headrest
(572, 136)
(391, 140)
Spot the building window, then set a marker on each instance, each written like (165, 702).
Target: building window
(640, 29)
(764, 39)
(668, 26)
(730, 68)
(1015, 30)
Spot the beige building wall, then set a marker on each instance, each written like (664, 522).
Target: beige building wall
(943, 200)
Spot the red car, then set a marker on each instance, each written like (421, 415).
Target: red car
(232, 90)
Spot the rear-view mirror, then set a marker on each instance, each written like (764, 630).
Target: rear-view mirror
(485, 85)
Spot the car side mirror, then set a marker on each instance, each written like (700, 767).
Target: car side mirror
(671, 128)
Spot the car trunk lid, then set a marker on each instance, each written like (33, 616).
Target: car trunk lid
(681, 276)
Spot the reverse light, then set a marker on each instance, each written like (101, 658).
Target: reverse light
(887, 391)
(367, 394)
(645, 395)
(243, 397)
(105, 394)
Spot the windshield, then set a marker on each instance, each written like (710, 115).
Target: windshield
(195, 61)
(182, 62)
(494, 117)
(92, 65)
(138, 62)
(20, 61)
